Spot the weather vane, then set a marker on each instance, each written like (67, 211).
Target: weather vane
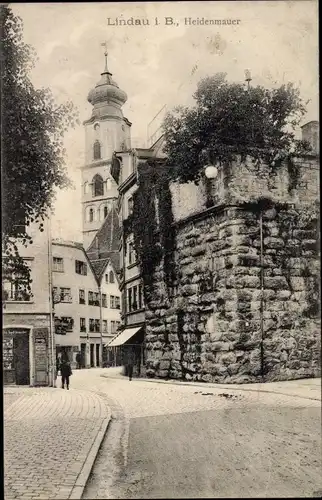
(104, 44)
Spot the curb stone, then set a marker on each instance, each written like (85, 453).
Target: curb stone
(79, 486)
(212, 386)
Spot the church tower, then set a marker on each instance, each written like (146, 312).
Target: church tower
(105, 132)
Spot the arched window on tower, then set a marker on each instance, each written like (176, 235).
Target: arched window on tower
(98, 186)
(97, 150)
(90, 215)
(105, 211)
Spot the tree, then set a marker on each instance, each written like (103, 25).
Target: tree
(230, 120)
(33, 127)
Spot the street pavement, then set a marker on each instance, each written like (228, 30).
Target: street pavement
(165, 439)
(49, 434)
(171, 440)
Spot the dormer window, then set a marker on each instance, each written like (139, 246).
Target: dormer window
(98, 186)
(97, 150)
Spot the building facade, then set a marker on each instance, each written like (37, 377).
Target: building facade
(86, 306)
(28, 340)
(125, 173)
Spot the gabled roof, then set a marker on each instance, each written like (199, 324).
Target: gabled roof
(105, 245)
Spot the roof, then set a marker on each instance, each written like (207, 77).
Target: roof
(105, 245)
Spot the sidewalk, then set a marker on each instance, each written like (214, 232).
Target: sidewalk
(303, 388)
(51, 439)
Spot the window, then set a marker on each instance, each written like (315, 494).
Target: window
(91, 325)
(58, 264)
(65, 295)
(114, 326)
(97, 325)
(80, 267)
(135, 298)
(14, 290)
(105, 212)
(96, 299)
(67, 323)
(105, 325)
(111, 277)
(132, 254)
(130, 206)
(82, 324)
(82, 296)
(104, 300)
(90, 298)
(91, 215)
(98, 186)
(97, 150)
(140, 297)
(115, 302)
(20, 222)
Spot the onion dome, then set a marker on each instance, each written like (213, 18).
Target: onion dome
(106, 91)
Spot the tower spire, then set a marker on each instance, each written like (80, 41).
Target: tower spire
(104, 44)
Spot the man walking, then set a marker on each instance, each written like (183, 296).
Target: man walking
(66, 371)
(130, 362)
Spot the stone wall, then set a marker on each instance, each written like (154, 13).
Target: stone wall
(245, 305)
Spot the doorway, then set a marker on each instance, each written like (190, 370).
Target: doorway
(97, 354)
(92, 356)
(21, 358)
(83, 355)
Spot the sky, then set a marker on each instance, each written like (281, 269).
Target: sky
(159, 65)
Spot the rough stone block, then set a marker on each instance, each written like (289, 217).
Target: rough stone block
(273, 242)
(220, 346)
(276, 283)
(298, 284)
(226, 358)
(283, 294)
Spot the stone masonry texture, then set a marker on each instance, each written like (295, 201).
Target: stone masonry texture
(245, 305)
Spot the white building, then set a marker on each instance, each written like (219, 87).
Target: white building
(79, 318)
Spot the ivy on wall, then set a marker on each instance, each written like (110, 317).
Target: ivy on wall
(151, 223)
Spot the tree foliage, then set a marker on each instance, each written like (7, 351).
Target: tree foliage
(33, 127)
(230, 120)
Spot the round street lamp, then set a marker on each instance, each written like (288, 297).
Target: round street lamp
(211, 171)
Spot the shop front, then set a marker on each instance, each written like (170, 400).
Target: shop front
(129, 340)
(26, 356)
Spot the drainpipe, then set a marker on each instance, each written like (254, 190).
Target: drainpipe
(51, 305)
(101, 324)
(262, 293)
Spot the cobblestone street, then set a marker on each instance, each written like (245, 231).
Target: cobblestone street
(164, 439)
(48, 436)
